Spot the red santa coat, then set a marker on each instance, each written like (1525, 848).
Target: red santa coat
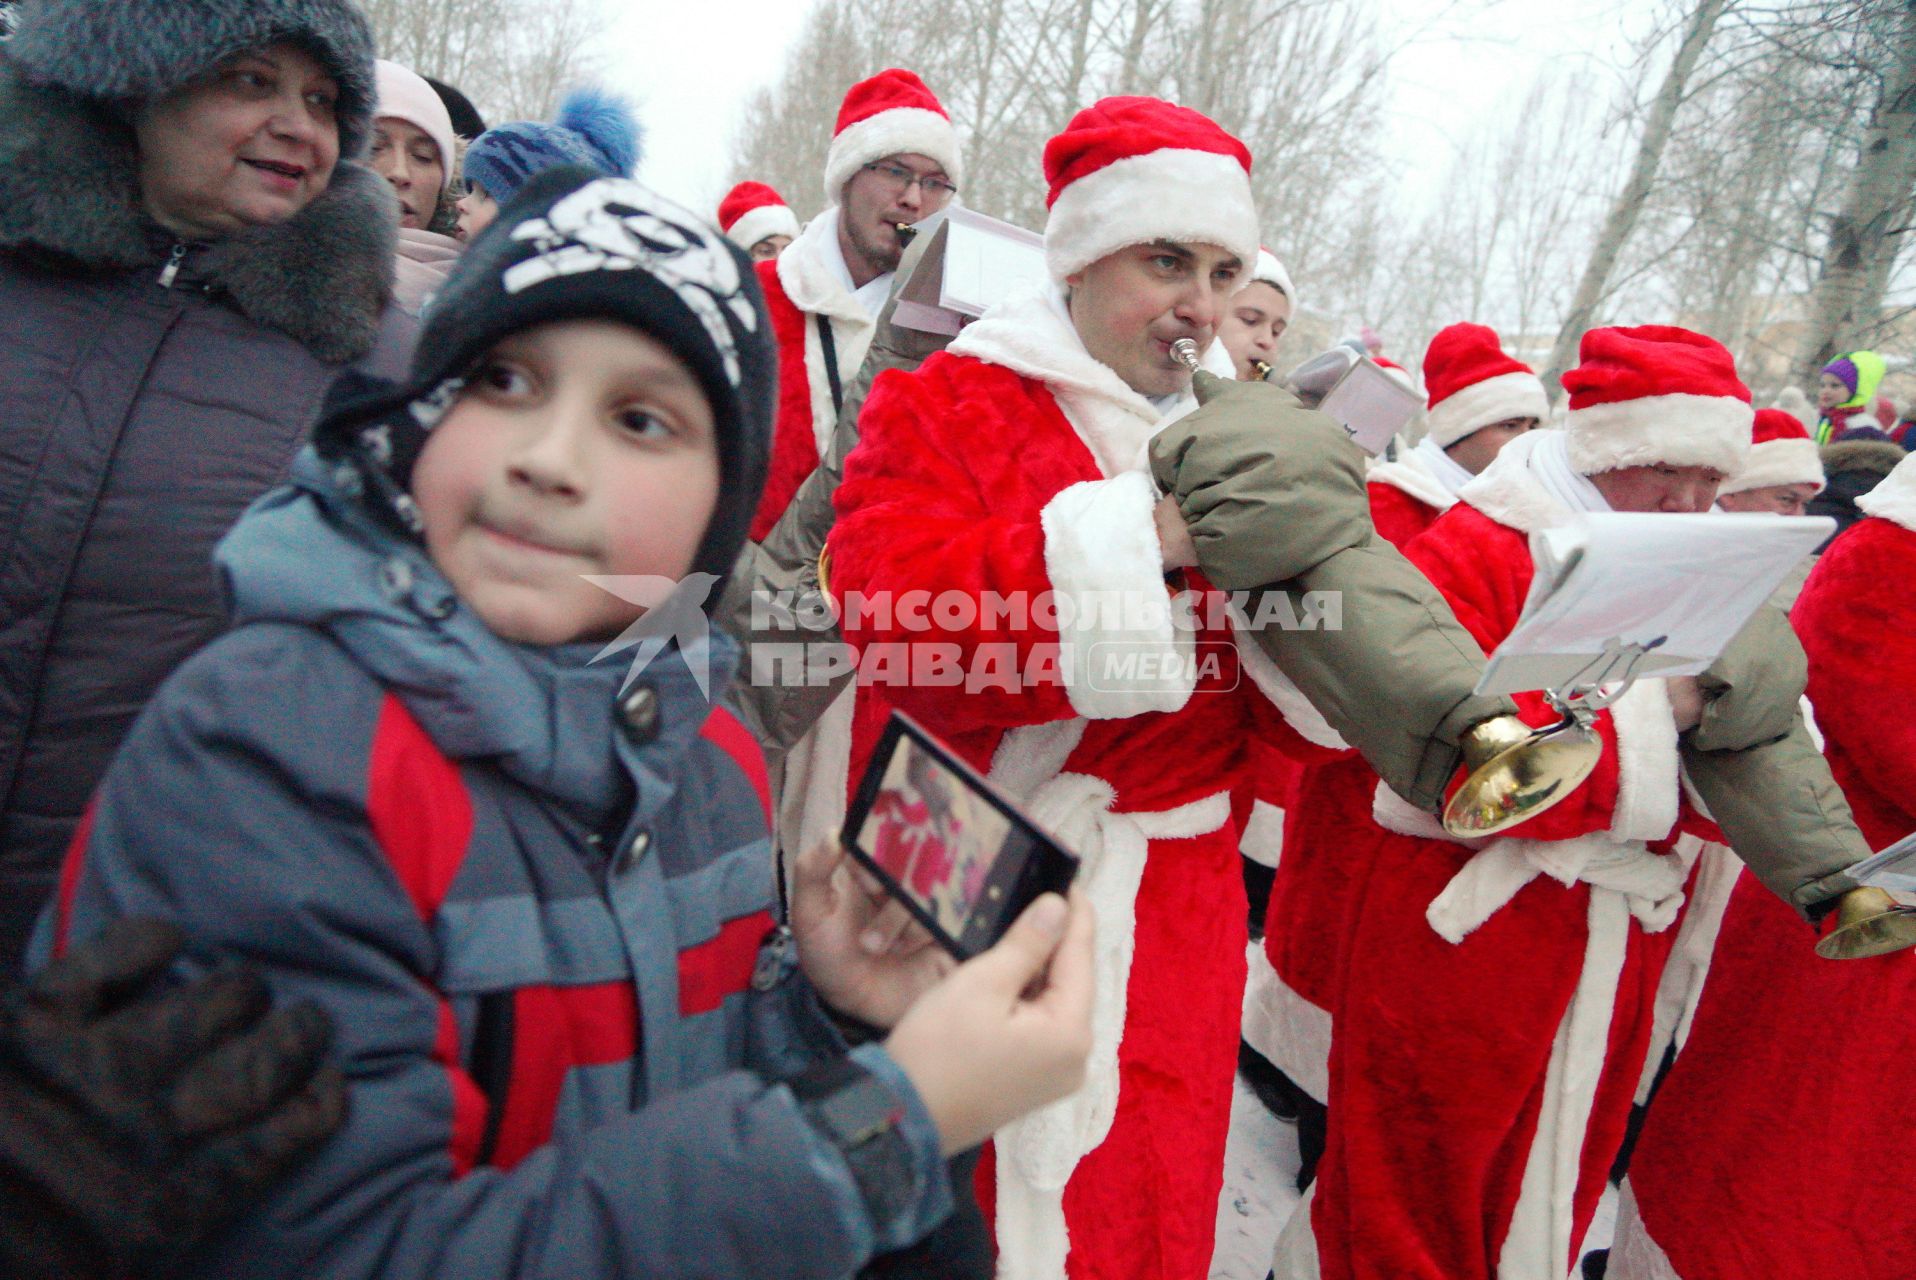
(1496, 999)
(1761, 1154)
(1006, 470)
(802, 284)
(1317, 812)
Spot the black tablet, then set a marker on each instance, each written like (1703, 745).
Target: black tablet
(948, 844)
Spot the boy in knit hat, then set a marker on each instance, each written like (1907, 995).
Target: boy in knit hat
(1254, 323)
(534, 889)
(594, 129)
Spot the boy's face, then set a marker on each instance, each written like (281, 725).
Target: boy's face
(1252, 324)
(1830, 392)
(1130, 306)
(578, 447)
(476, 212)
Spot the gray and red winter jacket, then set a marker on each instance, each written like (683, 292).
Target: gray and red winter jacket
(538, 909)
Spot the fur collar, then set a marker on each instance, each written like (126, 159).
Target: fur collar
(1508, 492)
(69, 199)
(1894, 498)
(1412, 475)
(811, 268)
(1031, 334)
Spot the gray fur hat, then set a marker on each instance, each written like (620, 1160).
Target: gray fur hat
(137, 50)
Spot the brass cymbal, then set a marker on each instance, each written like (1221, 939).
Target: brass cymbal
(1517, 772)
(1869, 923)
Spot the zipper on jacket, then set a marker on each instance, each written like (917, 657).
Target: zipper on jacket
(172, 267)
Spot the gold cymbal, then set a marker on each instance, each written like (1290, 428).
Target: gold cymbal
(1869, 923)
(1517, 772)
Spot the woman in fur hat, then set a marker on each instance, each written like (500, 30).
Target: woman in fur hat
(188, 257)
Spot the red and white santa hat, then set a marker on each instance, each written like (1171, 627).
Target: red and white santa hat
(1656, 394)
(1781, 452)
(751, 211)
(1272, 272)
(1129, 171)
(1472, 383)
(891, 114)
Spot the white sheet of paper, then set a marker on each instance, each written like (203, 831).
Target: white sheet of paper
(1626, 578)
(1372, 405)
(986, 261)
(1893, 869)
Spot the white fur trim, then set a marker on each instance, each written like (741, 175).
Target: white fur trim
(1262, 840)
(1646, 763)
(1394, 813)
(1894, 497)
(901, 131)
(1636, 1255)
(1409, 475)
(808, 271)
(1508, 395)
(1189, 197)
(1538, 1242)
(1290, 1031)
(1106, 565)
(1038, 1152)
(1507, 492)
(1674, 430)
(1777, 462)
(1272, 272)
(767, 220)
(1295, 1257)
(1712, 878)
(1282, 693)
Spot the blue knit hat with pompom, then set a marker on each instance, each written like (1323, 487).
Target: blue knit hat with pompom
(595, 129)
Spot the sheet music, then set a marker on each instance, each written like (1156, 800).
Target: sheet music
(1680, 585)
(971, 263)
(1372, 405)
(1894, 868)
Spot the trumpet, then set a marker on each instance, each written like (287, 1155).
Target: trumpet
(906, 233)
(1185, 352)
(1262, 370)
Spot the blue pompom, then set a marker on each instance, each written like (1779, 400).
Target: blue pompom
(608, 122)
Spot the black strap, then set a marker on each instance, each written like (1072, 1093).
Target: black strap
(830, 350)
(490, 1065)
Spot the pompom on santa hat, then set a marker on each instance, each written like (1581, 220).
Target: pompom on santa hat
(1655, 394)
(1130, 171)
(1781, 452)
(1472, 383)
(891, 114)
(751, 211)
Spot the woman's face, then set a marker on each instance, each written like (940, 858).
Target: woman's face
(406, 156)
(251, 143)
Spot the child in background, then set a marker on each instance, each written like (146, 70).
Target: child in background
(534, 889)
(1843, 392)
(594, 128)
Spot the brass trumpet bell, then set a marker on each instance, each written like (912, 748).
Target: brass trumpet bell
(1517, 772)
(1868, 923)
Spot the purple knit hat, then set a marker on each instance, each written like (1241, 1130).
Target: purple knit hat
(1843, 369)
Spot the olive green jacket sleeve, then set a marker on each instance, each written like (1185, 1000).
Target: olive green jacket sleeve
(1274, 496)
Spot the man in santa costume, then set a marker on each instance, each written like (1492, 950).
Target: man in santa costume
(1766, 1152)
(1008, 471)
(894, 160)
(1496, 997)
(1480, 399)
(756, 218)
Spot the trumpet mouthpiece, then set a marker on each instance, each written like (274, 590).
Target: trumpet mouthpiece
(1185, 352)
(1262, 370)
(906, 232)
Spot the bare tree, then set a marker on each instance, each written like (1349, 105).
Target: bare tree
(1846, 304)
(513, 58)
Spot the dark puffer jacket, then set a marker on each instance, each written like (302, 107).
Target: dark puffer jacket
(148, 392)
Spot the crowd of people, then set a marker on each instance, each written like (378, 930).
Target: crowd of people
(371, 911)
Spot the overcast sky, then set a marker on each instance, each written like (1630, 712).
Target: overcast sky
(693, 72)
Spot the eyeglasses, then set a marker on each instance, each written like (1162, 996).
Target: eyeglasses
(901, 180)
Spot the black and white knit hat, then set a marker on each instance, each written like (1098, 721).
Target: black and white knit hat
(574, 245)
(137, 50)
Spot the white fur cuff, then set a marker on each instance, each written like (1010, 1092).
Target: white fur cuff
(1125, 648)
(1189, 197)
(1508, 395)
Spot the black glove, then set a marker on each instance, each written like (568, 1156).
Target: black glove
(134, 1118)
